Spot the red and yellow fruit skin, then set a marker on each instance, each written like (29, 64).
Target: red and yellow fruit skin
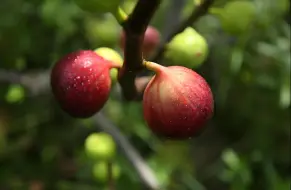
(150, 42)
(81, 83)
(177, 103)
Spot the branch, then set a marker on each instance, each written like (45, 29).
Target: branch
(144, 171)
(195, 15)
(37, 82)
(134, 29)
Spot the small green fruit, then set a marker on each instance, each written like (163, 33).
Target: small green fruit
(98, 6)
(110, 55)
(187, 48)
(236, 17)
(100, 146)
(100, 171)
(101, 31)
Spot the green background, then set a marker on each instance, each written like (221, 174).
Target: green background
(244, 147)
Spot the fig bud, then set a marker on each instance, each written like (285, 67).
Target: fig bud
(81, 83)
(187, 48)
(177, 102)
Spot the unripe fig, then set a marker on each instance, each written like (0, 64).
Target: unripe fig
(236, 17)
(177, 102)
(98, 6)
(81, 83)
(111, 55)
(101, 31)
(100, 171)
(187, 48)
(100, 146)
(150, 42)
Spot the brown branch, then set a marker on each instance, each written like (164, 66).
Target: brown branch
(195, 15)
(134, 29)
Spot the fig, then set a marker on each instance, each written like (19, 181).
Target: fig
(111, 55)
(100, 171)
(236, 17)
(98, 6)
(81, 83)
(150, 42)
(187, 48)
(100, 146)
(102, 31)
(177, 102)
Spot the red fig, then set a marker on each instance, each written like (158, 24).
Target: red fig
(177, 102)
(150, 42)
(81, 83)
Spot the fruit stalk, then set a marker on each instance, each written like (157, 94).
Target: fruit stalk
(120, 16)
(111, 184)
(153, 66)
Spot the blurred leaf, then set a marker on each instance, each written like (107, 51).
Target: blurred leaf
(237, 57)
(285, 94)
(231, 159)
(15, 94)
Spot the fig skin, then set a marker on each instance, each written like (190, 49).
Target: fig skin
(150, 42)
(177, 103)
(81, 83)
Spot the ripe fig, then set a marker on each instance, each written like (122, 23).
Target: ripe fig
(111, 55)
(100, 146)
(177, 102)
(150, 42)
(81, 83)
(187, 48)
(98, 6)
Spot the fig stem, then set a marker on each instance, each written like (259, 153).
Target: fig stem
(115, 65)
(153, 66)
(111, 185)
(120, 16)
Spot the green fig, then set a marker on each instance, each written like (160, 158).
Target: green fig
(100, 146)
(100, 171)
(102, 31)
(110, 55)
(236, 17)
(187, 48)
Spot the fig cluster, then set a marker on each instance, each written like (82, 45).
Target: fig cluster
(177, 102)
